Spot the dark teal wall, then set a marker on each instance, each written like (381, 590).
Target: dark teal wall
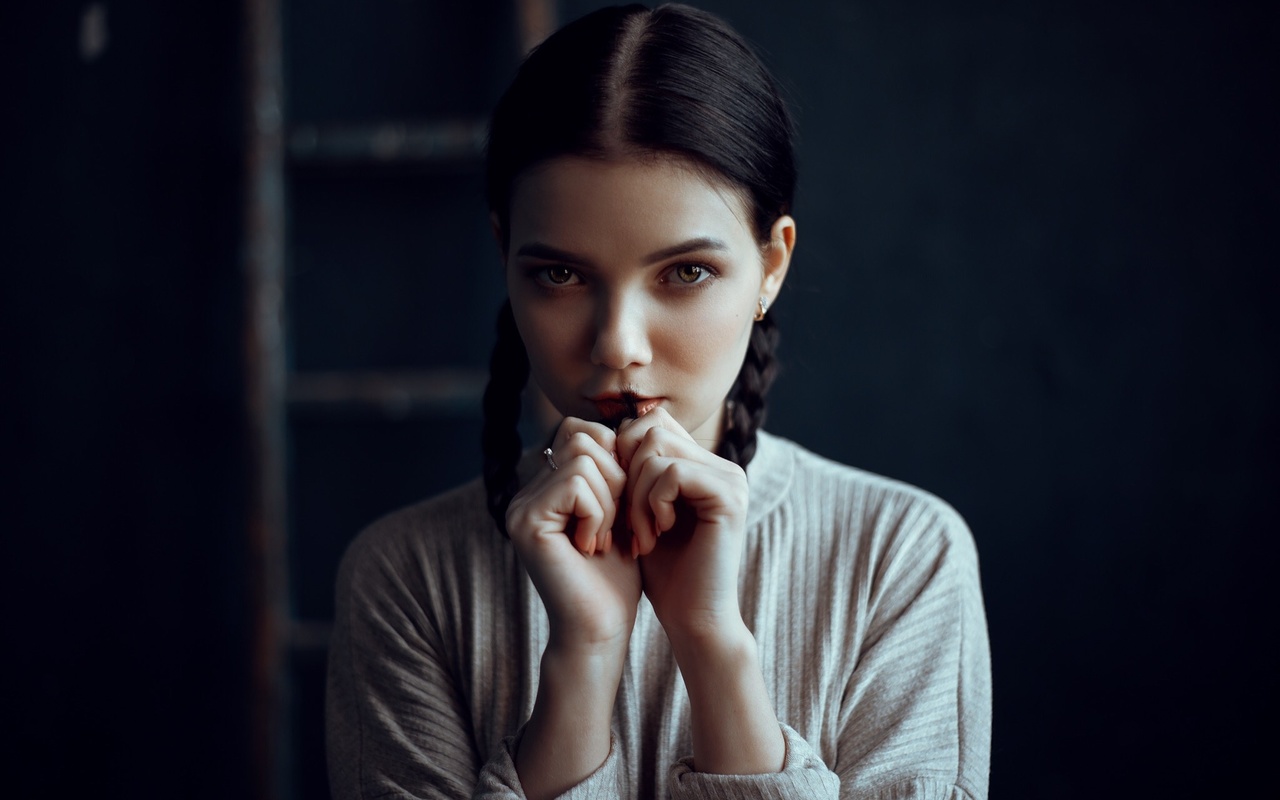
(1035, 276)
(123, 585)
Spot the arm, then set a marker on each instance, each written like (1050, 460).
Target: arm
(395, 723)
(401, 699)
(734, 728)
(687, 512)
(568, 734)
(914, 717)
(399, 723)
(561, 525)
(913, 708)
(923, 670)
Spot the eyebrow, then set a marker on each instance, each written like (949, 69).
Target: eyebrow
(546, 251)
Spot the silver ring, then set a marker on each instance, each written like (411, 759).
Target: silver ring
(551, 460)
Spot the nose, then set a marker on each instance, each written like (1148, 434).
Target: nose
(622, 334)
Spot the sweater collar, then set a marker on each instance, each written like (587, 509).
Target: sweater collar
(769, 476)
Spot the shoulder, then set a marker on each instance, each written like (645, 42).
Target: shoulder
(407, 547)
(880, 513)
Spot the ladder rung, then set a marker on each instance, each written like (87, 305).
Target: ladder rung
(396, 394)
(455, 141)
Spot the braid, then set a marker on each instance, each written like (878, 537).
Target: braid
(746, 409)
(508, 373)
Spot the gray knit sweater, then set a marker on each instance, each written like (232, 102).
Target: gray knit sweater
(862, 593)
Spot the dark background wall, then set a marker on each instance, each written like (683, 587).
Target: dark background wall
(124, 592)
(1035, 276)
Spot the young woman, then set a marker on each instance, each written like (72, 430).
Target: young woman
(664, 601)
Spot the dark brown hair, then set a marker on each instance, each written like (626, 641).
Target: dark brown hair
(669, 82)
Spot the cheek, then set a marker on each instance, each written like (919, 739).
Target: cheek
(534, 332)
(543, 340)
(713, 343)
(552, 343)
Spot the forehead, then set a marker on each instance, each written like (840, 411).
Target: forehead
(587, 201)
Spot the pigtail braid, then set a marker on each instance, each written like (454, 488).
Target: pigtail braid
(746, 408)
(508, 373)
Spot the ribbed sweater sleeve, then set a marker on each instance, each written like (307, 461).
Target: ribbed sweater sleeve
(803, 775)
(915, 713)
(395, 723)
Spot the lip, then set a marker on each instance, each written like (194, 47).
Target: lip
(613, 407)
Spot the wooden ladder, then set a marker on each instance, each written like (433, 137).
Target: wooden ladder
(312, 396)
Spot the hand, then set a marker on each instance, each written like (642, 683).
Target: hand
(561, 524)
(686, 508)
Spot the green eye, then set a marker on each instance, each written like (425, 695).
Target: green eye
(689, 273)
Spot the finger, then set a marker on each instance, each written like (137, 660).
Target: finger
(583, 505)
(665, 488)
(657, 443)
(713, 492)
(582, 443)
(587, 469)
(644, 533)
(657, 487)
(569, 426)
(622, 525)
(576, 437)
(659, 425)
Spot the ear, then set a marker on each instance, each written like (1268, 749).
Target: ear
(777, 256)
(496, 229)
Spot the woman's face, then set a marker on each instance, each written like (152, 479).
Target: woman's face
(637, 277)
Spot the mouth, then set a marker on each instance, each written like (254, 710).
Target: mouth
(613, 408)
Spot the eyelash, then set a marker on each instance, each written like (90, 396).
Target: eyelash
(707, 275)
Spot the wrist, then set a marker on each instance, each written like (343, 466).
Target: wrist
(587, 652)
(580, 686)
(568, 733)
(709, 646)
(733, 725)
(584, 661)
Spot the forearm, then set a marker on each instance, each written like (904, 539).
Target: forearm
(734, 727)
(568, 734)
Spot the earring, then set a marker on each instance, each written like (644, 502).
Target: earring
(729, 406)
(762, 306)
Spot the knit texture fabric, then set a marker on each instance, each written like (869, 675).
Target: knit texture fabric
(862, 593)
